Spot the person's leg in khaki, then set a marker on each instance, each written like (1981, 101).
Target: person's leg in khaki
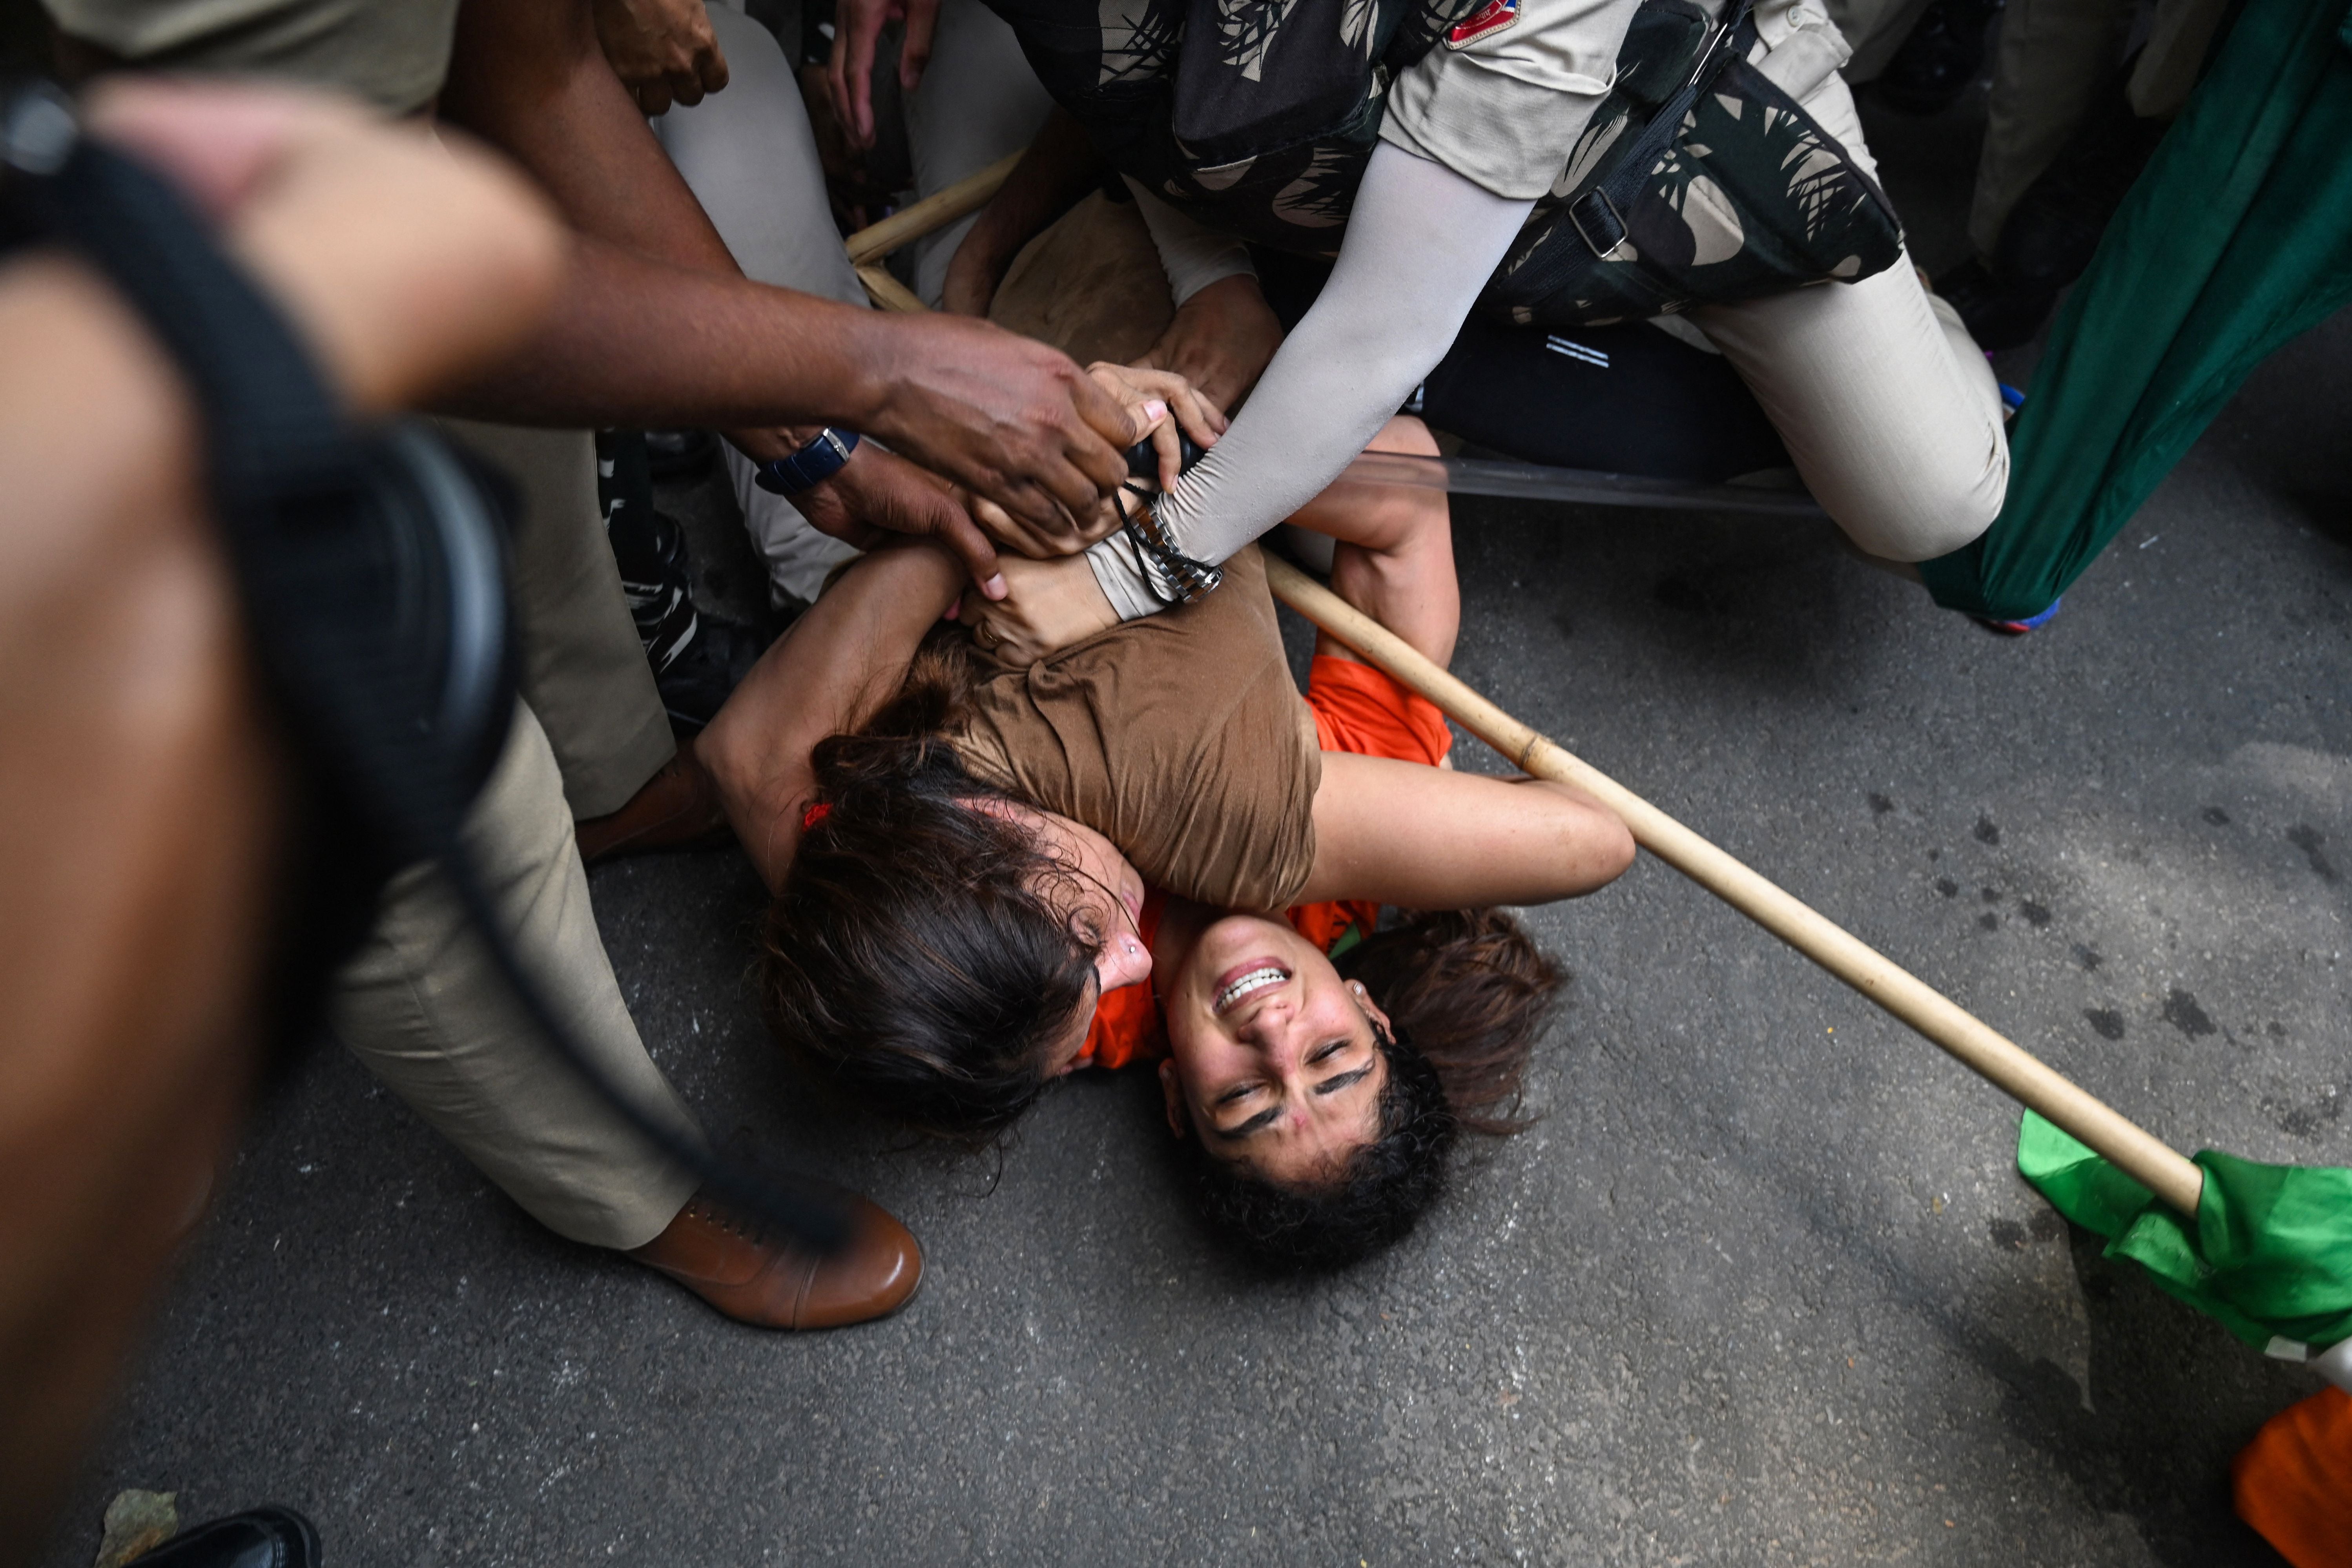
(1888, 408)
(584, 668)
(422, 1006)
(2054, 55)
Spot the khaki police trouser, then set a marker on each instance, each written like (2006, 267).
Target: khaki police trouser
(1886, 406)
(419, 1002)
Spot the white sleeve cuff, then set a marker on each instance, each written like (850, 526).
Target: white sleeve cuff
(1120, 572)
(1193, 254)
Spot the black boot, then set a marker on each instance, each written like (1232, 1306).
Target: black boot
(1944, 55)
(697, 660)
(269, 1537)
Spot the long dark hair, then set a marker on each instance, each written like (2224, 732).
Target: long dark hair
(920, 955)
(1467, 994)
(1473, 992)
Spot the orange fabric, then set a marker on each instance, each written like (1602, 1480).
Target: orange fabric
(1357, 709)
(1360, 711)
(1127, 1027)
(2293, 1481)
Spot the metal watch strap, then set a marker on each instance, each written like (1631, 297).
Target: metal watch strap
(1175, 576)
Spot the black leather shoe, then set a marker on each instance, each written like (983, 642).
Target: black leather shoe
(2054, 229)
(268, 1537)
(1999, 312)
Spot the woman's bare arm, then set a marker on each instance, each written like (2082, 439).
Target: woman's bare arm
(1393, 557)
(1430, 839)
(840, 662)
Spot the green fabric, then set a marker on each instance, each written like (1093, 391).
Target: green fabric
(2238, 236)
(2270, 1254)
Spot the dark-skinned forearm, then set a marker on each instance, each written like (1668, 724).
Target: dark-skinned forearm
(529, 78)
(1058, 169)
(634, 342)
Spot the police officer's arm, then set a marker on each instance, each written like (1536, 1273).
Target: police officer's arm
(658, 327)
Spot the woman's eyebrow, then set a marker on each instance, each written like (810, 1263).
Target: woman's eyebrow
(1258, 1123)
(1340, 1081)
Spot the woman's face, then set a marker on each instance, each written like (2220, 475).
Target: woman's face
(1103, 896)
(1273, 1061)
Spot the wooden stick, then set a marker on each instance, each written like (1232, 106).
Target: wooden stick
(887, 291)
(936, 210)
(2002, 1062)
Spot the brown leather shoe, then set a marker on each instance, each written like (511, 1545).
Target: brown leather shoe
(773, 1285)
(676, 809)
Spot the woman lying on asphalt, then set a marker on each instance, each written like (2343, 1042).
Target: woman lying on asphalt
(969, 859)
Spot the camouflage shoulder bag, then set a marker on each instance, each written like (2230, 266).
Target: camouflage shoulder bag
(1698, 182)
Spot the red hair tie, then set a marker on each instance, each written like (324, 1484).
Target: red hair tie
(814, 815)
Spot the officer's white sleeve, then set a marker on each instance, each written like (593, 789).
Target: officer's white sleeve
(1421, 243)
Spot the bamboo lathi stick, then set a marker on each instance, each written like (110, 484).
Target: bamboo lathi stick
(1979, 1047)
(887, 292)
(938, 210)
(2007, 1065)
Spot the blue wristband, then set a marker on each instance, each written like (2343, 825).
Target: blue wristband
(810, 466)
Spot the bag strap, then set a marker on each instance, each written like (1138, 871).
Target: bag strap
(1598, 213)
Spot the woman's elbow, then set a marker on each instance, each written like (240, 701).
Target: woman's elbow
(1595, 845)
(1609, 849)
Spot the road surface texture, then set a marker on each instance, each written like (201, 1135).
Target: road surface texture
(1761, 1287)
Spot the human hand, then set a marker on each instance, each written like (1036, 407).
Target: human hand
(1149, 398)
(663, 50)
(1220, 341)
(1048, 605)
(138, 913)
(1153, 394)
(1012, 420)
(406, 261)
(849, 74)
(877, 494)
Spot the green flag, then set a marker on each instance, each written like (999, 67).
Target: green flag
(2270, 1253)
(2236, 238)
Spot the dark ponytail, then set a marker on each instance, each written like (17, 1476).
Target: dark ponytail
(1473, 992)
(920, 955)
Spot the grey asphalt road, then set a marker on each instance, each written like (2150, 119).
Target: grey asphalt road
(1761, 1287)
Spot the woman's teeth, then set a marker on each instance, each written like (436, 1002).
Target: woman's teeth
(1254, 981)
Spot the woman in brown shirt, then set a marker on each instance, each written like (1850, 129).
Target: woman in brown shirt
(960, 853)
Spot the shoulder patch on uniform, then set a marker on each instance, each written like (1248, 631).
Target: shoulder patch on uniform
(1492, 16)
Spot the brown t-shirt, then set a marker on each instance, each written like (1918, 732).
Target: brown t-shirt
(1180, 737)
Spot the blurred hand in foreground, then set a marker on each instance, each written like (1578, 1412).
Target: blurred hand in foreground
(141, 853)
